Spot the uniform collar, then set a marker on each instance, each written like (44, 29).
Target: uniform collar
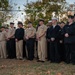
(54, 26)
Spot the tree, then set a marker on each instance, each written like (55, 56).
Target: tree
(44, 9)
(4, 11)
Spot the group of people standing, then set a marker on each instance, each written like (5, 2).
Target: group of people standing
(61, 41)
(11, 41)
(54, 42)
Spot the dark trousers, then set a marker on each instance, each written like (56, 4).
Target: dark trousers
(30, 48)
(62, 51)
(54, 52)
(11, 48)
(70, 53)
(24, 49)
(48, 50)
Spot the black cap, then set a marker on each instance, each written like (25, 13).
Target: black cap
(70, 16)
(41, 20)
(20, 23)
(11, 23)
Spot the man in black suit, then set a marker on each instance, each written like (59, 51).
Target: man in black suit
(19, 35)
(54, 41)
(69, 40)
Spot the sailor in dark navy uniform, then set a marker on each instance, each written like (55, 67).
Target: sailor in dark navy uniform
(54, 41)
(61, 43)
(69, 40)
(49, 24)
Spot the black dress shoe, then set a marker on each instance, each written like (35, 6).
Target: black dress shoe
(52, 61)
(38, 60)
(42, 61)
(73, 63)
(67, 62)
(31, 59)
(57, 62)
(19, 58)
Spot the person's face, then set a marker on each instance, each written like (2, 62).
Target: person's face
(54, 21)
(29, 25)
(70, 20)
(62, 25)
(11, 25)
(2, 29)
(74, 18)
(50, 23)
(20, 26)
(41, 22)
(6, 30)
(59, 24)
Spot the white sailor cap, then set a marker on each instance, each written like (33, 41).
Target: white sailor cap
(54, 18)
(49, 21)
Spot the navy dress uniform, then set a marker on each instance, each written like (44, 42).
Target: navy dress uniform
(69, 40)
(54, 42)
(61, 42)
(48, 40)
(61, 46)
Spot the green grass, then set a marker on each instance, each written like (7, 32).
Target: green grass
(20, 67)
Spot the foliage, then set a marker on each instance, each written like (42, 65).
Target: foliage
(44, 10)
(4, 10)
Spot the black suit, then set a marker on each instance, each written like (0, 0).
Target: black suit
(69, 42)
(54, 51)
(19, 34)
